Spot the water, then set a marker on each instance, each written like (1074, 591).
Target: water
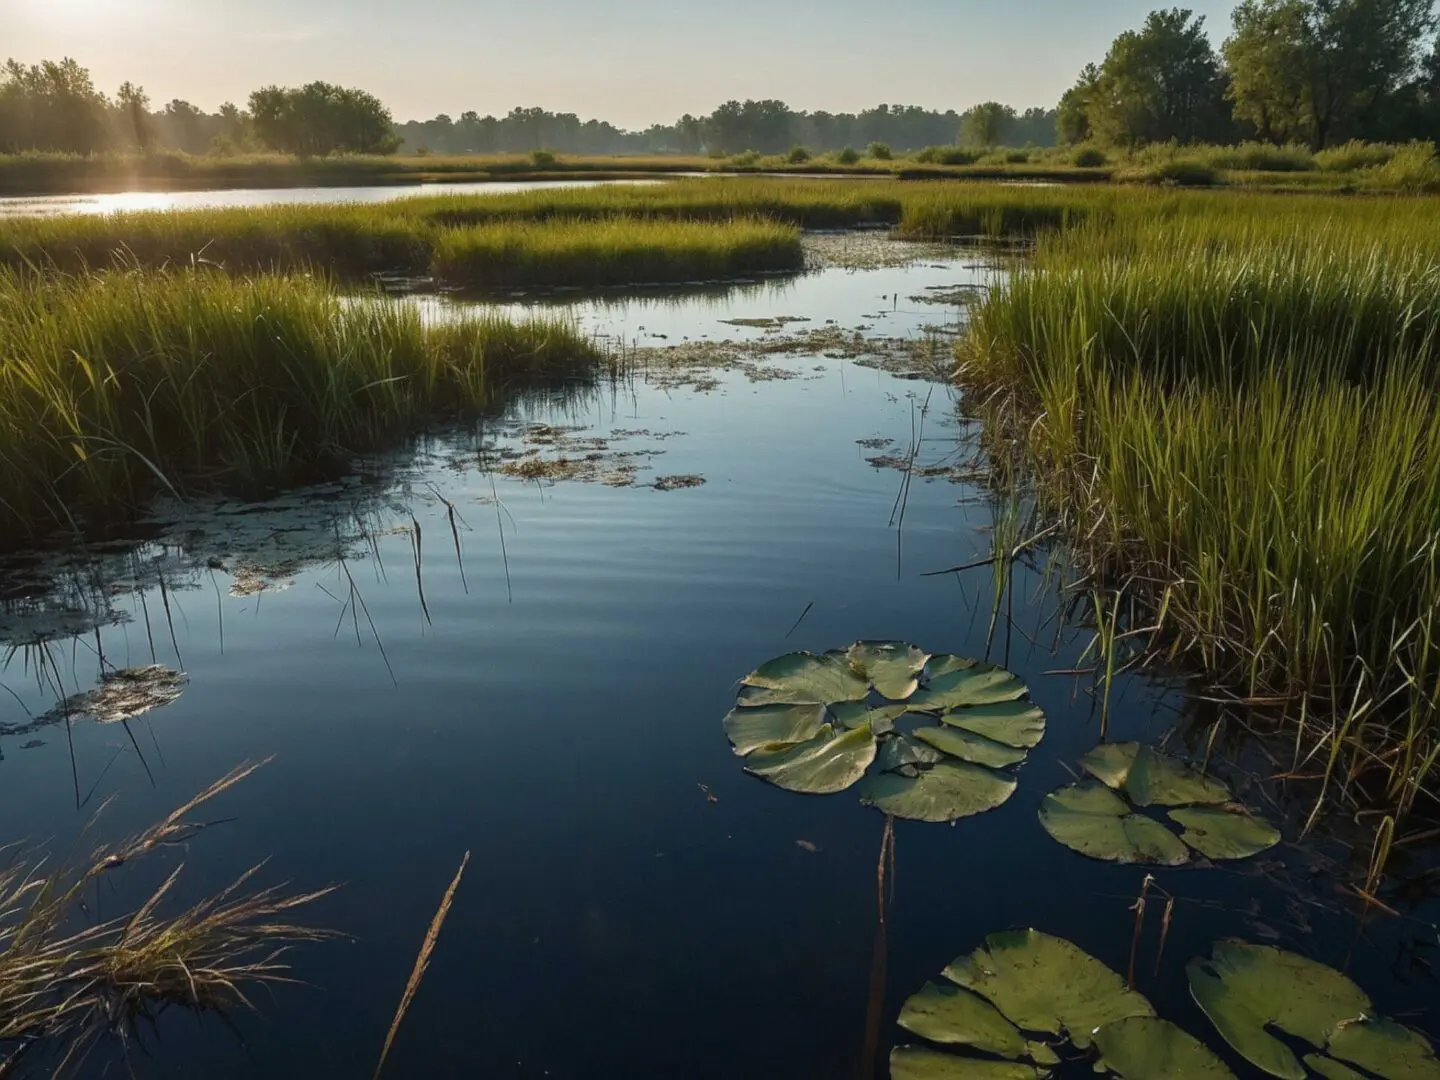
(557, 711)
(121, 201)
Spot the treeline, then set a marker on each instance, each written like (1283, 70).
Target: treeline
(768, 127)
(1315, 72)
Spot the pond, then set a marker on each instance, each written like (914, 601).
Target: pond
(543, 685)
(123, 201)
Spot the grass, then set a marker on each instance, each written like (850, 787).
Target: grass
(68, 982)
(611, 251)
(1231, 402)
(121, 384)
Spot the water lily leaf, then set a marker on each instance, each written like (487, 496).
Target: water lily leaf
(968, 747)
(1245, 988)
(944, 663)
(1094, 821)
(952, 1016)
(982, 684)
(1142, 1047)
(899, 751)
(893, 667)
(773, 726)
(828, 763)
(1220, 834)
(1157, 779)
(1041, 1053)
(852, 714)
(1044, 983)
(947, 792)
(918, 1063)
(1020, 724)
(1387, 1049)
(806, 679)
(1330, 1068)
(1110, 763)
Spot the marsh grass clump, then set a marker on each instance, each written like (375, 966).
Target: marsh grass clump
(617, 251)
(1233, 403)
(69, 981)
(122, 384)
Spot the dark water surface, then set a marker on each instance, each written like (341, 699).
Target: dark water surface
(557, 720)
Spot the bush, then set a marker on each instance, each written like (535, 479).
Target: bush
(748, 160)
(542, 159)
(848, 156)
(1411, 168)
(1179, 172)
(798, 155)
(1261, 157)
(1355, 155)
(879, 151)
(1089, 157)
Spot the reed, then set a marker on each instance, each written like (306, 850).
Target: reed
(120, 384)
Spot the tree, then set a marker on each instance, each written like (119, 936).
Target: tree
(986, 125)
(322, 119)
(1324, 70)
(1160, 82)
(52, 105)
(1072, 118)
(135, 106)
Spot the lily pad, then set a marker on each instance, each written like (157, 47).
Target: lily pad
(918, 1063)
(1110, 763)
(1245, 989)
(1384, 1048)
(892, 667)
(806, 679)
(1331, 1069)
(982, 684)
(898, 751)
(1148, 1048)
(1094, 821)
(853, 714)
(1152, 778)
(1020, 724)
(956, 1017)
(970, 747)
(1043, 983)
(947, 792)
(944, 663)
(828, 763)
(773, 726)
(1222, 834)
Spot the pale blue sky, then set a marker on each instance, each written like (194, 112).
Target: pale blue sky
(633, 62)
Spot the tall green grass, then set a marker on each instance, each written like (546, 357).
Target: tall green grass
(1236, 405)
(116, 386)
(613, 251)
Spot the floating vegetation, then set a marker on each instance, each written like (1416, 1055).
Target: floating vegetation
(122, 695)
(818, 724)
(1095, 820)
(678, 483)
(1245, 989)
(575, 456)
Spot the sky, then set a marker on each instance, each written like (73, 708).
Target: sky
(632, 62)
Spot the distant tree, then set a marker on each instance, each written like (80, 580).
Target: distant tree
(986, 125)
(321, 119)
(52, 105)
(1325, 70)
(1072, 118)
(135, 108)
(1160, 82)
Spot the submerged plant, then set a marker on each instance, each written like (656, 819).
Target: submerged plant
(819, 724)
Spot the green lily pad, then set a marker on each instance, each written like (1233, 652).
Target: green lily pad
(1110, 763)
(1331, 1069)
(946, 792)
(1245, 988)
(969, 747)
(828, 763)
(918, 1063)
(982, 684)
(1146, 1047)
(1094, 821)
(805, 679)
(1020, 724)
(853, 714)
(773, 726)
(1043, 983)
(1151, 778)
(1041, 1053)
(956, 1017)
(892, 667)
(944, 663)
(1222, 834)
(1384, 1048)
(898, 751)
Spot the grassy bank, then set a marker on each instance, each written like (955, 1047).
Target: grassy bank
(1357, 166)
(1235, 404)
(116, 386)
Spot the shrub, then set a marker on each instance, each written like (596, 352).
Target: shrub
(1089, 157)
(748, 160)
(1411, 168)
(542, 159)
(848, 156)
(1261, 157)
(798, 155)
(879, 151)
(1178, 172)
(1356, 154)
